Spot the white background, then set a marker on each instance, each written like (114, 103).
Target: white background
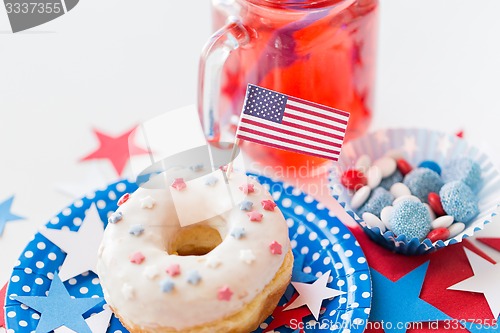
(109, 64)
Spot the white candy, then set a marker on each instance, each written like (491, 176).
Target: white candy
(374, 176)
(456, 228)
(363, 163)
(386, 215)
(442, 222)
(387, 166)
(373, 221)
(406, 198)
(360, 197)
(431, 212)
(399, 190)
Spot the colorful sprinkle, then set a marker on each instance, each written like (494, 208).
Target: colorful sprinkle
(268, 205)
(115, 217)
(224, 294)
(136, 230)
(128, 291)
(246, 205)
(179, 184)
(193, 277)
(123, 199)
(147, 202)
(167, 285)
(275, 247)
(247, 188)
(173, 270)
(197, 167)
(211, 180)
(137, 258)
(247, 256)
(238, 232)
(255, 216)
(151, 272)
(213, 261)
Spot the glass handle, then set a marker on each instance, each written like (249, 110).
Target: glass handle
(213, 57)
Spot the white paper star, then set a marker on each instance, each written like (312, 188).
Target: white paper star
(98, 323)
(247, 256)
(381, 137)
(444, 145)
(410, 145)
(313, 295)
(484, 281)
(147, 202)
(81, 247)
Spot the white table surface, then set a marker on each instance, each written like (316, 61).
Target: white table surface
(112, 64)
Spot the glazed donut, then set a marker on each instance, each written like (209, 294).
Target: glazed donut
(223, 274)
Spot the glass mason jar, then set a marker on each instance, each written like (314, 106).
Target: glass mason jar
(322, 51)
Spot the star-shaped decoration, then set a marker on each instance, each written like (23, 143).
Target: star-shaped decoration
(247, 256)
(247, 188)
(211, 180)
(128, 291)
(275, 247)
(246, 205)
(268, 205)
(167, 285)
(173, 270)
(193, 277)
(136, 229)
(391, 300)
(88, 237)
(213, 261)
(115, 217)
(312, 295)
(59, 308)
(6, 215)
(485, 281)
(283, 316)
(410, 145)
(494, 243)
(97, 323)
(147, 202)
(444, 145)
(151, 272)
(224, 294)
(197, 167)
(179, 184)
(124, 198)
(381, 137)
(117, 149)
(255, 216)
(137, 258)
(237, 232)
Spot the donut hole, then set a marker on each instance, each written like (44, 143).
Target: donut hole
(195, 240)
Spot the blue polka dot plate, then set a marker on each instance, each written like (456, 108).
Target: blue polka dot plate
(319, 240)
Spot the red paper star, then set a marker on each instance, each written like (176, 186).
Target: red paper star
(284, 318)
(247, 188)
(137, 258)
(2, 304)
(255, 216)
(268, 205)
(494, 243)
(224, 294)
(275, 248)
(117, 150)
(174, 270)
(179, 184)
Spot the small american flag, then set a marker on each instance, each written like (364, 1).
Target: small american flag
(285, 122)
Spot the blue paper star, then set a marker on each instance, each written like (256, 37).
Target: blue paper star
(298, 274)
(399, 302)
(59, 309)
(6, 215)
(246, 205)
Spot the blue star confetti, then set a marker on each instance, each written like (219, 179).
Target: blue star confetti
(399, 302)
(6, 215)
(136, 230)
(246, 205)
(59, 309)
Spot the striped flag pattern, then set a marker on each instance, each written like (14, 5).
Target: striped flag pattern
(285, 122)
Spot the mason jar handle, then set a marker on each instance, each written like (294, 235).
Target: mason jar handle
(213, 57)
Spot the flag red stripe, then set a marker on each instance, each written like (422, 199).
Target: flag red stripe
(335, 128)
(285, 147)
(319, 106)
(277, 138)
(273, 128)
(313, 113)
(310, 129)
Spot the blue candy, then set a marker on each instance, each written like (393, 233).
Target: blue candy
(422, 181)
(412, 219)
(459, 201)
(465, 170)
(387, 182)
(431, 165)
(379, 198)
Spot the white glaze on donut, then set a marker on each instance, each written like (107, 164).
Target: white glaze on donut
(231, 275)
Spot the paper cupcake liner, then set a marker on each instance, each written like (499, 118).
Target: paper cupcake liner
(417, 145)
